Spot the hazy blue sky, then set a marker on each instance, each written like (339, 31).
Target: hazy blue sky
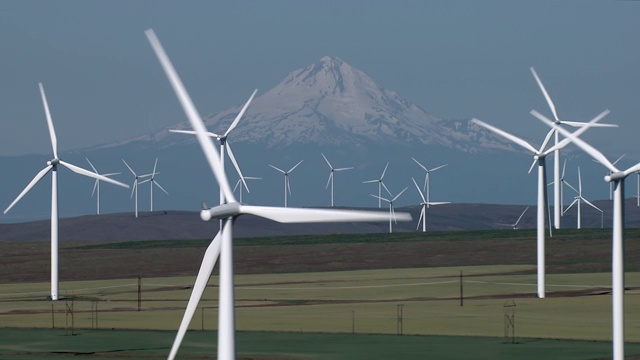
(455, 59)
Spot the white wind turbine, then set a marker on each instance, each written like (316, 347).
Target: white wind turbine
(425, 204)
(135, 183)
(52, 166)
(578, 202)
(287, 187)
(427, 178)
(539, 156)
(392, 212)
(224, 141)
(226, 213)
(557, 208)
(380, 185)
(152, 181)
(333, 170)
(239, 184)
(616, 177)
(96, 185)
(515, 224)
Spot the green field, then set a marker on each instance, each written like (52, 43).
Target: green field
(328, 313)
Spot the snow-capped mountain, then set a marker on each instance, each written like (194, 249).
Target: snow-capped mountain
(333, 103)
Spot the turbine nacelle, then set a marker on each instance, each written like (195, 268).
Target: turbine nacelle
(53, 162)
(615, 176)
(223, 211)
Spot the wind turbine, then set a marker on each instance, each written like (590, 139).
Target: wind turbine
(52, 166)
(96, 185)
(427, 177)
(380, 185)
(539, 156)
(616, 177)
(240, 184)
(333, 170)
(578, 202)
(152, 181)
(515, 224)
(392, 212)
(287, 187)
(556, 156)
(226, 213)
(224, 142)
(425, 204)
(135, 183)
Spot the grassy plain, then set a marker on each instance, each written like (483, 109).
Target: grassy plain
(342, 285)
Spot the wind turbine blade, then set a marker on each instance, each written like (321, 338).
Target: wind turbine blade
(237, 183)
(111, 174)
(81, 171)
(90, 164)
(161, 188)
(632, 169)
(419, 191)
(579, 182)
(590, 204)
(235, 165)
(343, 169)
(295, 166)
(155, 165)
(133, 188)
(329, 180)
(433, 203)
(419, 164)
(521, 215)
(380, 197)
(144, 181)
(52, 131)
(31, 184)
(303, 215)
(533, 163)
(576, 133)
(506, 135)
(397, 196)
(191, 132)
(282, 171)
(384, 171)
(370, 181)
(95, 186)
(546, 140)
(564, 167)
(386, 188)
(581, 124)
(544, 92)
(420, 217)
(572, 188)
(569, 207)
(620, 158)
(325, 159)
(129, 167)
(288, 185)
(439, 167)
(208, 263)
(240, 114)
(210, 152)
(393, 213)
(590, 150)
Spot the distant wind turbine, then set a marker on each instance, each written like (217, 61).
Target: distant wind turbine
(239, 184)
(152, 181)
(227, 212)
(224, 141)
(392, 212)
(380, 185)
(287, 187)
(96, 185)
(515, 224)
(52, 166)
(617, 177)
(136, 177)
(425, 204)
(331, 176)
(557, 208)
(539, 156)
(427, 178)
(578, 202)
